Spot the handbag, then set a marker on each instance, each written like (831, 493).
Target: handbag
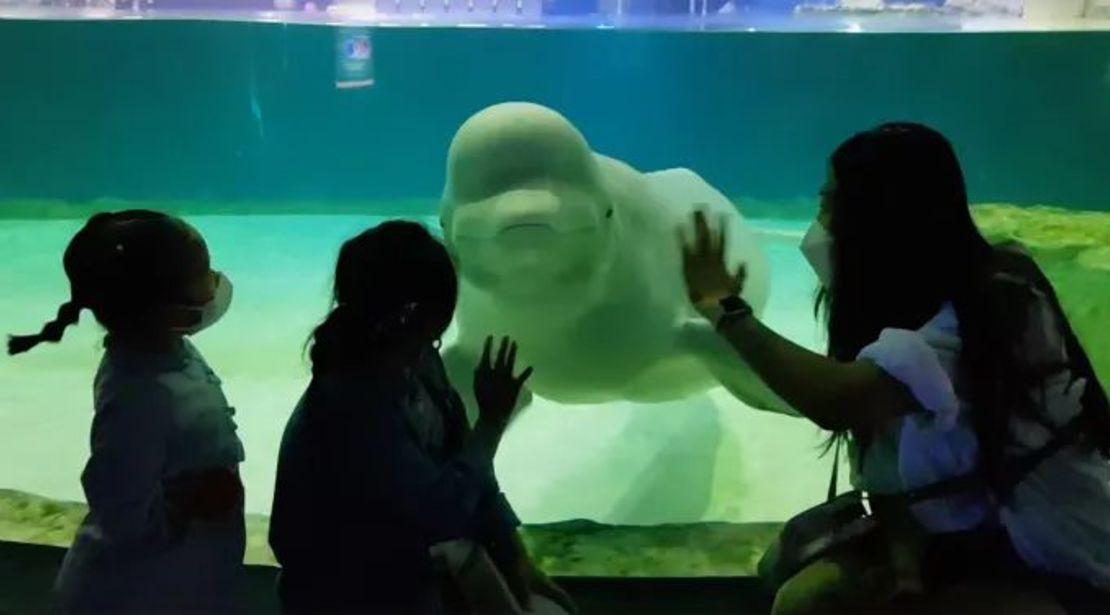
(838, 523)
(847, 521)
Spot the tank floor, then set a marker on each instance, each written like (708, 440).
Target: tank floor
(27, 572)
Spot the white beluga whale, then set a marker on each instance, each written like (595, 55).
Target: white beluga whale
(576, 256)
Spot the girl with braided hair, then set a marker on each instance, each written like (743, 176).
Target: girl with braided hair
(382, 431)
(165, 529)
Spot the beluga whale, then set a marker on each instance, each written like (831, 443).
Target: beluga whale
(576, 256)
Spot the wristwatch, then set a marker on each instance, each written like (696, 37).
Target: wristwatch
(735, 310)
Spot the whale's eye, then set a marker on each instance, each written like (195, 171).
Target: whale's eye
(609, 214)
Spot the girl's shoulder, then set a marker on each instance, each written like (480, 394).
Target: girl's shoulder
(143, 400)
(356, 390)
(128, 377)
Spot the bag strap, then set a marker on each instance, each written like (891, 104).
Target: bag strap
(1015, 260)
(1019, 470)
(834, 480)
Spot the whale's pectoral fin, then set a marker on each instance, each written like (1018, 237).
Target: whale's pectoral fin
(460, 366)
(700, 339)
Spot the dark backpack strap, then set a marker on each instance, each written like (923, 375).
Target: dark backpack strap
(1024, 466)
(975, 480)
(1015, 260)
(964, 483)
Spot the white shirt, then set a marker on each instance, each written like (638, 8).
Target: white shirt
(156, 417)
(1058, 517)
(919, 450)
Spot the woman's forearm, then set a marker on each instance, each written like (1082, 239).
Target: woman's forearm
(487, 436)
(833, 394)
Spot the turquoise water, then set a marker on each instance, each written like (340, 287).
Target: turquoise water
(235, 112)
(241, 128)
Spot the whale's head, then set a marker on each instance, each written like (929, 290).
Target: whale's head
(524, 211)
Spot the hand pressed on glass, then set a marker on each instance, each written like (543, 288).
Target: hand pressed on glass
(704, 268)
(495, 388)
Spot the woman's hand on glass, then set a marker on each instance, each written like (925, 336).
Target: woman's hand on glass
(496, 389)
(705, 270)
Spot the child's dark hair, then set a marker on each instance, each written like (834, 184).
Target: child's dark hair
(120, 265)
(392, 282)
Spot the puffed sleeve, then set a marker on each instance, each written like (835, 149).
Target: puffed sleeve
(909, 359)
(123, 476)
(933, 444)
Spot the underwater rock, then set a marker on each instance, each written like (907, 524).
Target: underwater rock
(1095, 258)
(1073, 249)
(572, 548)
(576, 256)
(1044, 228)
(583, 548)
(37, 520)
(29, 518)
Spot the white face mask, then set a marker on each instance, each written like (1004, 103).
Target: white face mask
(817, 248)
(213, 310)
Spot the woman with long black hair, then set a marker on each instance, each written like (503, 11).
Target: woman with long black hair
(947, 357)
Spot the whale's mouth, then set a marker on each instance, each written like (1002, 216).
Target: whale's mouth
(525, 230)
(523, 226)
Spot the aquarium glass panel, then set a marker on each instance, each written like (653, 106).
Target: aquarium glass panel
(281, 131)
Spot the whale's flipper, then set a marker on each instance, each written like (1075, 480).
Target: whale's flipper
(700, 339)
(460, 366)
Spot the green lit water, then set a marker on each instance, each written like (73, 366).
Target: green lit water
(248, 114)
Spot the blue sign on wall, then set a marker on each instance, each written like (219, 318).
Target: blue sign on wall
(354, 58)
